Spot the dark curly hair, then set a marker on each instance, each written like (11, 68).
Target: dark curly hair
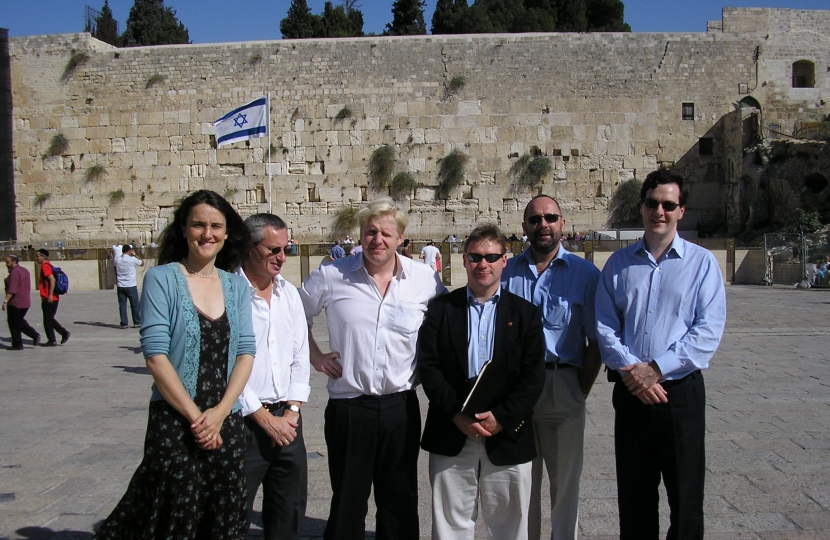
(173, 245)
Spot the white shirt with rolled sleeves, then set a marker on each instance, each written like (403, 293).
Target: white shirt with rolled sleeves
(375, 335)
(281, 367)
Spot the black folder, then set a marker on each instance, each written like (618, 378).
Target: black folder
(492, 386)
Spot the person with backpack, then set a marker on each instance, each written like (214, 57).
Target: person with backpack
(47, 285)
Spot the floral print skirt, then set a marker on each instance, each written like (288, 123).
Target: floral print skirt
(181, 491)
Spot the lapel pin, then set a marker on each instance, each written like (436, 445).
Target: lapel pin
(510, 323)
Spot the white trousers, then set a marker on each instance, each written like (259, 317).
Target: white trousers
(458, 483)
(559, 424)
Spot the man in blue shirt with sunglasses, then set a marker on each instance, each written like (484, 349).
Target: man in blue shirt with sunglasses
(563, 285)
(661, 310)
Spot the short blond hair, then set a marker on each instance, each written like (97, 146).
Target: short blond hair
(383, 206)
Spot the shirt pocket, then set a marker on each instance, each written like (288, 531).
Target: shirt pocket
(408, 317)
(557, 313)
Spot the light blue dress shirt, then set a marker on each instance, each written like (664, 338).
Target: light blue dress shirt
(672, 312)
(564, 292)
(481, 324)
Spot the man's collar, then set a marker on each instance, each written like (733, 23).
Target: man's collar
(678, 245)
(472, 300)
(562, 254)
(277, 282)
(399, 268)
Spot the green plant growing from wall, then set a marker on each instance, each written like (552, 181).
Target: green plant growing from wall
(255, 59)
(230, 192)
(381, 165)
(155, 78)
(76, 60)
(530, 170)
(95, 172)
(343, 113)
(345, 222)
(116, 196)
(451, 172)
(454, 85)
(624, 206)
(58, 145)
(403, 184)
(41, 198)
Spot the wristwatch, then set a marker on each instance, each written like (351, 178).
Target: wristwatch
(293, 408)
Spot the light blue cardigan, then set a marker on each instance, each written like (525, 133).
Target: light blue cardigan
(170, 323)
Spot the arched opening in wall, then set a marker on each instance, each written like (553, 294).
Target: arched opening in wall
(750, 102)
(804, 74)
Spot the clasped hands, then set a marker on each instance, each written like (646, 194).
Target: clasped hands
(281, 429)
(642, 381)
(484, 425)
(206, 428)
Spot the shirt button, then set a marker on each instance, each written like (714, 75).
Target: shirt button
(373, 390)
(651, 311)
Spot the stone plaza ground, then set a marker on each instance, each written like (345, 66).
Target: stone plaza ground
(73, 423)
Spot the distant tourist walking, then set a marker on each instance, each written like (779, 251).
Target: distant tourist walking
(125, 284)
(198, 342)
(337, 251)
(49, 301)
(17, 302)
(431, 255)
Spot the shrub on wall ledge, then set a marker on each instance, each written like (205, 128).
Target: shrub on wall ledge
(77, 59)
(343, 113)
(58, 145)
(624, 205)
(95, 173)
(530, 171)
(381, 165)
(116, 196)
(403, 184)
(41, 198)
(156, 78)
(345, 222)
(451, 172)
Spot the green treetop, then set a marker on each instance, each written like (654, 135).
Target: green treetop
(150, 22)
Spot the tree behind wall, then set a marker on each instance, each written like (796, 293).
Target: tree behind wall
(299, 22)
(106, 28)
(407, 18)
(150, 22)
(488, 16)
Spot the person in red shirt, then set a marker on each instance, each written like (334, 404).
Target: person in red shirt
(49, 301)
(17, 302)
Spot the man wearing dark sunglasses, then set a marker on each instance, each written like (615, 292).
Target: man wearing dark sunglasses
(278, 385)
(483, 456)
(563, 286)
(661, 310)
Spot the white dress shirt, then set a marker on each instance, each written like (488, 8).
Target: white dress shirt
(375, 335)
(281, 367)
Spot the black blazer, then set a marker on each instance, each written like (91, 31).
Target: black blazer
(518, 346)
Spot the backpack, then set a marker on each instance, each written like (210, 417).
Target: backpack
(61, 281)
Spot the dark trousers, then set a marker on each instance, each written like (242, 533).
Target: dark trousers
(50, 325)
(373, 440)
(18, 325)
(283, 473)
(665, 439)
(131, 294)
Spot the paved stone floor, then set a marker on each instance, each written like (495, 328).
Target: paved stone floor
(73, 421)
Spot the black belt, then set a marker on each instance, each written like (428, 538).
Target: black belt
(273, 407)
(403, 394)
(558, 365)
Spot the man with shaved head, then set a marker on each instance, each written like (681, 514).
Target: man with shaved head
(563, 286)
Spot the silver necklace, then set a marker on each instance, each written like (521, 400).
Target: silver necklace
(184, 261)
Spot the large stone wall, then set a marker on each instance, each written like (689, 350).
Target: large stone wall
(602, 107)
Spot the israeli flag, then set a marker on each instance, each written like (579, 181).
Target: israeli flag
(249, 121)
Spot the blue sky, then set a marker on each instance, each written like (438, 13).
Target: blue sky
(214, 21)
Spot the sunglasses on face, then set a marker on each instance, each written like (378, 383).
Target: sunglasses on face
(537, 219)
(668, 206)
(272, 250)
(490, 257)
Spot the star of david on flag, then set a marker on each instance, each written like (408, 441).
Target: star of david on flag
(246, 122)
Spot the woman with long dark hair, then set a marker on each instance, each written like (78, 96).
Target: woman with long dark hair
(198, 342)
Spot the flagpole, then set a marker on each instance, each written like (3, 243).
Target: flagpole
(268, 115)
